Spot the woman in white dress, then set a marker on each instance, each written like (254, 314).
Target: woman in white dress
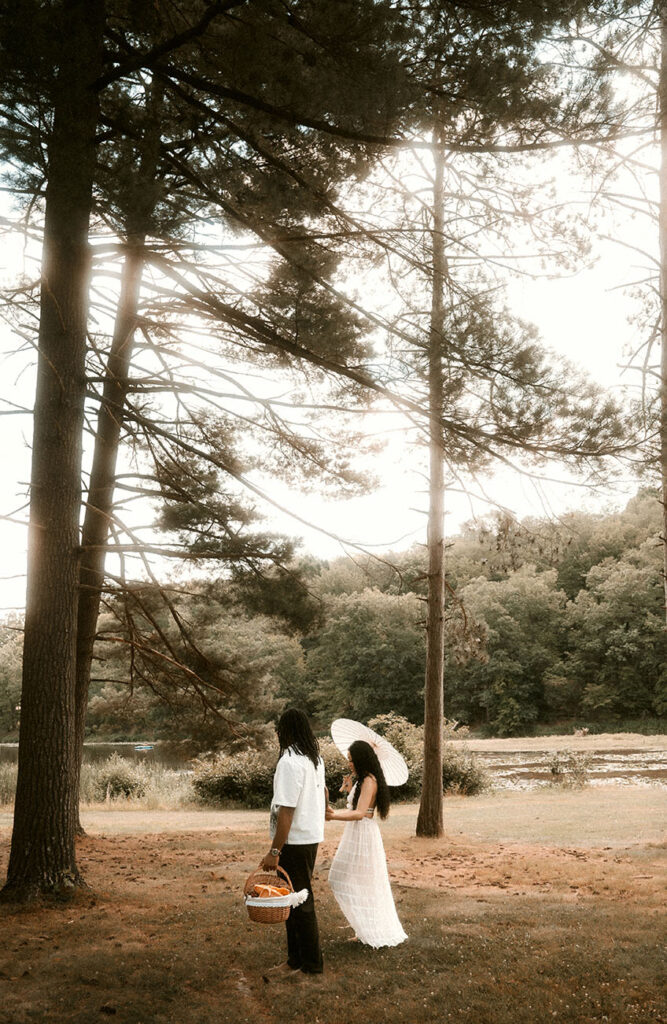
(358, 876)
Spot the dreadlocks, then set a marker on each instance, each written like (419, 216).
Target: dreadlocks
(294, 731)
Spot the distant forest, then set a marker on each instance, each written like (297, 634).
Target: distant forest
(548, 621)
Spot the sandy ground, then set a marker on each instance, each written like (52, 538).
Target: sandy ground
(601, 741)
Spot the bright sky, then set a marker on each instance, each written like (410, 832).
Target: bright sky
(578, 318)
(583, 317)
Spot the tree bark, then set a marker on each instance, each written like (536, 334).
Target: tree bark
(430, 818)
(99, 504)
(42, 858)
(662, 103)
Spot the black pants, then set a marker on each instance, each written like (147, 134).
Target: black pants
(303, 937)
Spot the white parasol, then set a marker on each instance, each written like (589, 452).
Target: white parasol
(345, 731)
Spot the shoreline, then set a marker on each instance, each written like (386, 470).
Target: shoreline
(599, 741)
(593, 741)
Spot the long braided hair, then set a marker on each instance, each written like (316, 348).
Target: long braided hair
(294, 731)
(365, 762)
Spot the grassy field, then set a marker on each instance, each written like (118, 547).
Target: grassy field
(534, 907)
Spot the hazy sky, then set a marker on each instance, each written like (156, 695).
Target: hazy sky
(582, 316)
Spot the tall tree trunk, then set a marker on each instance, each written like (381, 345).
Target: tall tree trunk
(42, 857)
(662, 101)
(99, 504)
(430, 818)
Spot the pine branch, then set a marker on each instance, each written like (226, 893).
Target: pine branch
(147, 61)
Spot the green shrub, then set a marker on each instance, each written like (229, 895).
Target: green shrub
(462, 773)
(8, 774)
(245, 777)
(117, 777)
(569, 768)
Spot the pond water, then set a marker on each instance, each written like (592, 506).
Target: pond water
(171, 755)
(526, 769)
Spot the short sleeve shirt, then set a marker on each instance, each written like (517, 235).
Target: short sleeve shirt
(299, 784)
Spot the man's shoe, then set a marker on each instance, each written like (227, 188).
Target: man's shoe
(297, 977)
(283, 968)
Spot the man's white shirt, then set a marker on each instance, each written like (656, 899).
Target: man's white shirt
(299, 784)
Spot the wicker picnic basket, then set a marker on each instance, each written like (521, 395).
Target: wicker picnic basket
(267, 914)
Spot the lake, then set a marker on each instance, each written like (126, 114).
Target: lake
(168, 754)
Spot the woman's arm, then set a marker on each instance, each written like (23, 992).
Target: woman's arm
(369, 788)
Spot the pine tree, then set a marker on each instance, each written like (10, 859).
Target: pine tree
(166, 51)
(486, 93)
(42, 852)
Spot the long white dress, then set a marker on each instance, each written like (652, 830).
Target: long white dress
(360, 882)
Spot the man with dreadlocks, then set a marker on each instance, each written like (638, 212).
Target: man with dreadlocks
(297, 829)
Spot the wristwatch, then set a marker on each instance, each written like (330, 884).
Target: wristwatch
(273, 852)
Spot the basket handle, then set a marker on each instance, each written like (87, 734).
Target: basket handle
(249, 882)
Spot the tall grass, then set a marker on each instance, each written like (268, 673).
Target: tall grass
(8, 774)
(140, 784)
(118, 782)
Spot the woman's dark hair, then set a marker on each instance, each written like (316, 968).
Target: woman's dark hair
(294, 731)
(365, 762)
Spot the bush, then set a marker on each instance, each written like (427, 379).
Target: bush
(569, 768)
(461, 772)
(116, 778)
(245, 777)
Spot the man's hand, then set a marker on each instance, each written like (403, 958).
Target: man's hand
(348, 783)
(283, 825)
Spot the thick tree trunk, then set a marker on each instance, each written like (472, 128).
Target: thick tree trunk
(99, 503)
(42, 858)
(430, 818)
(662, 98)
